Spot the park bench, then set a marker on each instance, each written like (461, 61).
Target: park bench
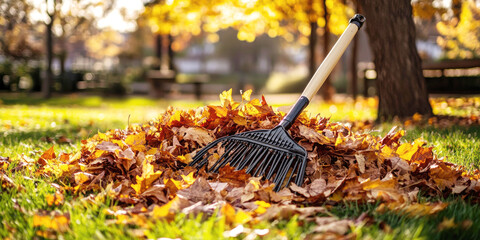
(445, 77)
(159, 80)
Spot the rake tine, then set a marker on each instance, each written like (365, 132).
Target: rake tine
(204, 150)
(241, 153)
(273, 160)
(229, 146)
(279, 178)
(260, 151)
(226, 158)
(264, 163)
(279, 169)
(275, 164)
(293, 172)
(301, 174)
(252, 166)
(229, 156)
(204, 160)
(251, 154)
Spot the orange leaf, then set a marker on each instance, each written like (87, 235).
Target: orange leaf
(47, 156)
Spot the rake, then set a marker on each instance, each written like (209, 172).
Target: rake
(273, 153)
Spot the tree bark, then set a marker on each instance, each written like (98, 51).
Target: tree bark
(171, 54)
(312, 61)
(353, 61)
(400, 83)
(48, 80)
(327, 88)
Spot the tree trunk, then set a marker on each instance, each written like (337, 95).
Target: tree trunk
(400, 82)
(327, 88)
(158, 51)
(171, 54)
(312, 61)
(353, 61)
(48, 80)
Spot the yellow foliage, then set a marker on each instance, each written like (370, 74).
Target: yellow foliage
(289, 19)
(461, 37)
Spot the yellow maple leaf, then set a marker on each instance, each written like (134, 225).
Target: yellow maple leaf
(148, 176)
(189, 179)
(151, 151)
(226, 98)
(386, 152)
(234, 217)
(340, 139)
(185, 158)
(447, 223)
(137, 141)
(82, 177)
(407, 150)
(177, 184)
(262, 207)
(164, 210)
(379, 184)
(246, 95)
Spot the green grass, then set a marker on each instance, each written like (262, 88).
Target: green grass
(29, 126)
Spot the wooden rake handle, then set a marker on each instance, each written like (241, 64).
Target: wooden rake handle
(324, 70)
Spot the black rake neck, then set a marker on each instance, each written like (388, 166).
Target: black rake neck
(289, 119)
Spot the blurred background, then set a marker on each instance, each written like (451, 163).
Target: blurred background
(176, 48)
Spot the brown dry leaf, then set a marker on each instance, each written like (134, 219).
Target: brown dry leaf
(156, 191)
(108, 146)
(317, 187)
(199, 135)
(361, 162)
(230, 175)
(199, 191)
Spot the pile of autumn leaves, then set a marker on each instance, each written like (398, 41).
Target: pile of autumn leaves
(144, 166)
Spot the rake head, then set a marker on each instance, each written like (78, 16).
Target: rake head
(272, 154)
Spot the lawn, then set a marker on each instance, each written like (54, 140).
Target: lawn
(31, 208)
